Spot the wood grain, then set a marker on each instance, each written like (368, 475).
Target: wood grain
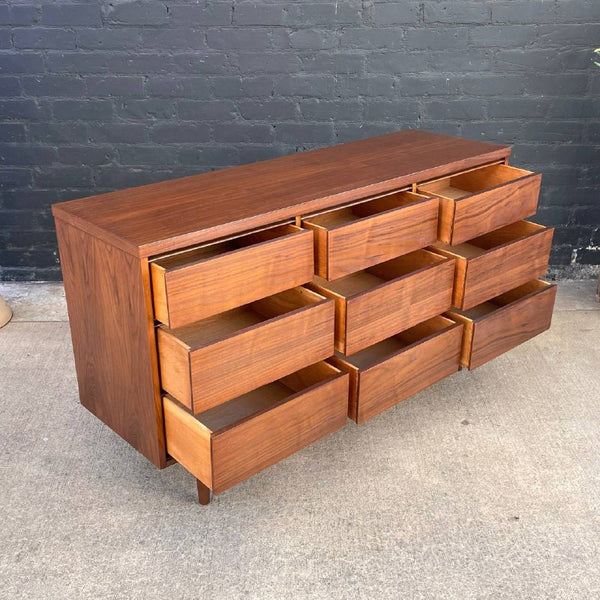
(372, 232)
(193, 285)
(502, 259)
(505, 322)
(165, 216)
(112, 328)
(398, 368)
(483, 200)
(398, 294)
(235, 440)
(226, 357)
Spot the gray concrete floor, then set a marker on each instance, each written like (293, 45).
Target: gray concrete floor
(486, 485)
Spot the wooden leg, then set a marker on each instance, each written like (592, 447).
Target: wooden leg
(203, 493)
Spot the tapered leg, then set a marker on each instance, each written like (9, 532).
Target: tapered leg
(203, 493)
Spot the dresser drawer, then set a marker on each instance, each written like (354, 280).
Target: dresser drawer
(398, 367)
(385, 299)
(356, 237)
(498, 261)
(504, 322)
(235, 440)
(223, 356)
(195, 284)
(483, 199)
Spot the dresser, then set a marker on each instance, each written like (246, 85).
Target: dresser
(229, 319)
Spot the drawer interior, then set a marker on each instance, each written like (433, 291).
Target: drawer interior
(518, 293)
(220, 326)
(472, 182)
(493, 239)
(390, 346)
(198, 254)
(262, 399)
(369, 208)
(367, 279)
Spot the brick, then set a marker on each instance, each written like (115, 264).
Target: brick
(77, 62)
(64, 177)
(327, 13)
(114, 177)
(124, 133)
(397, 13)
(501, 132)
(372, 38)
(203, 15)
(87, 110)
(23, 14)
(577, 10)
(38, 37)
(21, 63)
(243, 133)
(270, 110)
(109, 39)
(542, 60)
(86, 155)
(268, 62)
(461, 62)
(14, 178)
(12, 132)
(238, 39)
(16, 155)
(502, 36)
(493, 85)
(249, 153)
(339, 110)
(198, 63)
(456, 12)
(115, 86)
(571, 84)
(396, 62)
(437, 39)
(334, 63)
(523, 107)
(140, 63)
(178, 87)
(427, 85)
(348, 132)
(259, 14)
(180, 38)
(54, 133)
(313, 39)
(523, 11)
(72, 14)
(379, 110)
(137, 13)
(10, 86)
(147, 155)
(176, 133)
(551, 216)
(466, 110)
(587, 215)
(588, 256)
(297, 133)
(20, 109)
(305, 85)
(215, 156)
(371, 86)
(571, 108)
(553, 131)
(54, 85)
(191, 110)
(570, 35)
(5, 39)
(153, 108)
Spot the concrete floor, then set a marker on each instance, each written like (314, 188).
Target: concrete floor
(486, 485)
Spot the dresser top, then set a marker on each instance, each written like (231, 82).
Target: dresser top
(165, 216)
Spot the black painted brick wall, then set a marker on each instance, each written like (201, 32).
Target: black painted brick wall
(103, 95)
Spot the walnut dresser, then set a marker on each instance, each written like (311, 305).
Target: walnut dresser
(229, 319)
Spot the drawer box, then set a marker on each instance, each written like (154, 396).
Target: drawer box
(374, 304)
(504, 322)
(497, 261)
(400, 366)
(201, 282)
(481, 200)
(223, 356)
(356, 237)
(235, 440)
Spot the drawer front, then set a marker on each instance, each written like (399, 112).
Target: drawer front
(494, 208)
(395, 306)
(222, 458)
(488, 336)
(187, 293)
(375, 239)
(507, 266)
(215, 373)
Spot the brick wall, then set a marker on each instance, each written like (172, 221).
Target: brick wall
(103, 95)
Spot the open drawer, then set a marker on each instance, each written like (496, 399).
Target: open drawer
(356, 237)
(400, 366)
(504, 322)
(374, 304)
(197, 283)
(498, 261)
(481, 200)
(235, 440)
(223, 356)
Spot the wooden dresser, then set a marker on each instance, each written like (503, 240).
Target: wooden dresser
(227, 320)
